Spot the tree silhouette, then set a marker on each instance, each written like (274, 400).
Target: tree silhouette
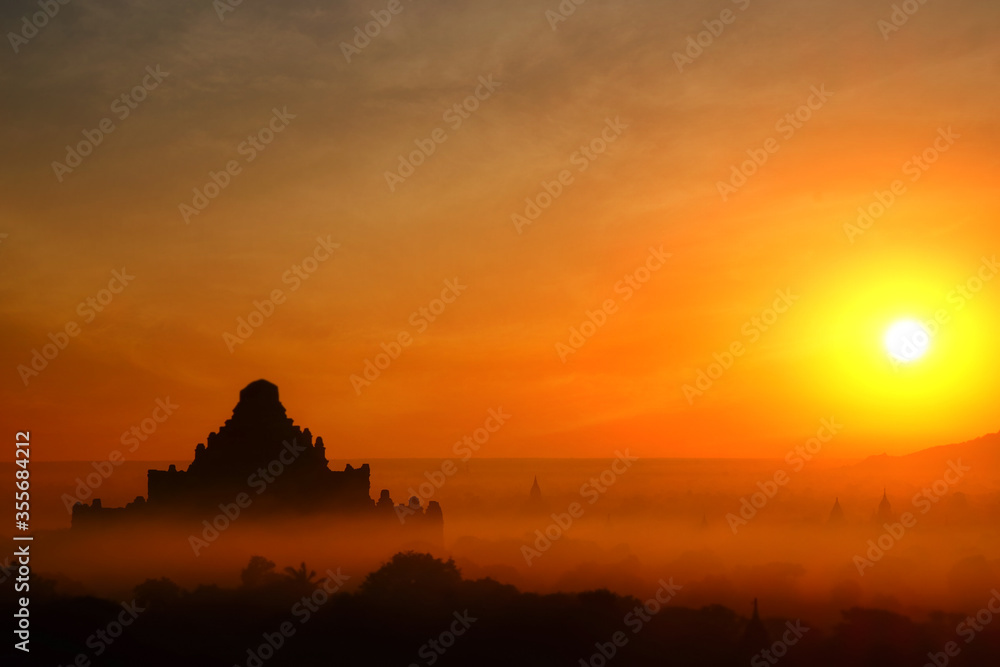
(258, 572)
(413, 575)
(414, 597)
(301, 576)
(157, 593)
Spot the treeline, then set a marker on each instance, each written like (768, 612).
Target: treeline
(417, 610)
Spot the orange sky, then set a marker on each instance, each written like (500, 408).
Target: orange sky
(610, 68)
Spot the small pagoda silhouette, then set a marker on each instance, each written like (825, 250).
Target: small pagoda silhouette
(536, 503)
(836, 514)
(755, 637)
(884, 512)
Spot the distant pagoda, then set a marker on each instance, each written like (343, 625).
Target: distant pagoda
(836, 514)
(536, 503)
(884, 512)
(755, 635)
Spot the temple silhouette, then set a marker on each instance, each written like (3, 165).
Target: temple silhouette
(261, 453)
(755, 637)
(836, 514)
(535, 505)
(884, 512)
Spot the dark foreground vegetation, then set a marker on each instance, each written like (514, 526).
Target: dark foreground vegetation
(417, 610)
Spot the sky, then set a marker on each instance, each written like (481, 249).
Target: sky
(592, 237)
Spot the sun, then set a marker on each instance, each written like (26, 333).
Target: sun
(907, 341)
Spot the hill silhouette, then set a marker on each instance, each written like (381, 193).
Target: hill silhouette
(984, 450)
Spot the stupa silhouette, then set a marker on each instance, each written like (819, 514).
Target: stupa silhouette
(536, 504)
(755, 636)
(836, 514)
(884, 512)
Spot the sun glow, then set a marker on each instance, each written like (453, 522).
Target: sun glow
(907, 341)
